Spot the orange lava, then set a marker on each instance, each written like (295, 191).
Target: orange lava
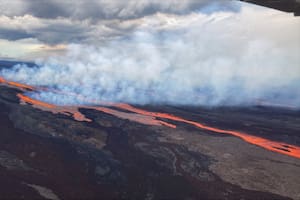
(35, 102)
(150, 118)
(2, 80)
(279, 147)
(143, 119)
(15, 84)
(65, 110)
(78, 116)
(19, 85)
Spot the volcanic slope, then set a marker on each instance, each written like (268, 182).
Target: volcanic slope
(120, 151)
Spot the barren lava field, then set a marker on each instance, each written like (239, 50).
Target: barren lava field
(121, 151)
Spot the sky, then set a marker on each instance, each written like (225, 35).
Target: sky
(208, 52)
(35, 28)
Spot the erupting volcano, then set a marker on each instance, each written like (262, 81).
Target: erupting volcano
(150, 118)
(174, 100)
(169, 138)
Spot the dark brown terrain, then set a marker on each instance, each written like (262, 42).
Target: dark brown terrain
(52, 156)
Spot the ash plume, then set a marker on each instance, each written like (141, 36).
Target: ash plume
(212, 61)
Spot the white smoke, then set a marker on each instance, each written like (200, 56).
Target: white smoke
(219, 59)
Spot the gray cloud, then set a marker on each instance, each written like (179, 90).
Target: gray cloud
(57, 31)
(104, 9)
(211, 60)
(61, 33)
(11, 34)
(92, 21)
(186, 53)
(47, 9)
(47, 31)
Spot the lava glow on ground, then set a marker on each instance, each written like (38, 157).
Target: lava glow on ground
(148, 118)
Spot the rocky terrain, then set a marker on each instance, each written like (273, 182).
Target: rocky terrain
(46, 155)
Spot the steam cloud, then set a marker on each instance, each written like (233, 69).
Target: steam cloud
(219, 59)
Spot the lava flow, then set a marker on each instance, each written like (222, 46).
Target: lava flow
(150, 118)
(279, 147)
(37, 103)
(140, 118)
(78, 116)
(65, 110)
(17, 85)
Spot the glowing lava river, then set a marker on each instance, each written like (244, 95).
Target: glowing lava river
(125, 111)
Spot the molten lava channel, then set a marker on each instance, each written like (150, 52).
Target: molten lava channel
(150, 118)
(17, 85)
(279, 147)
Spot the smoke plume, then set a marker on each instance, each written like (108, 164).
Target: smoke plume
(219, 59)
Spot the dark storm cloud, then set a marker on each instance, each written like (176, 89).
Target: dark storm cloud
(11, 34)
(46, 9)
(62, 30)
(90, 21)
(105, 9)
(47, 31)
(60, 33)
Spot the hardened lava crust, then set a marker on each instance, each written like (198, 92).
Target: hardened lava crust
(118, 154)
